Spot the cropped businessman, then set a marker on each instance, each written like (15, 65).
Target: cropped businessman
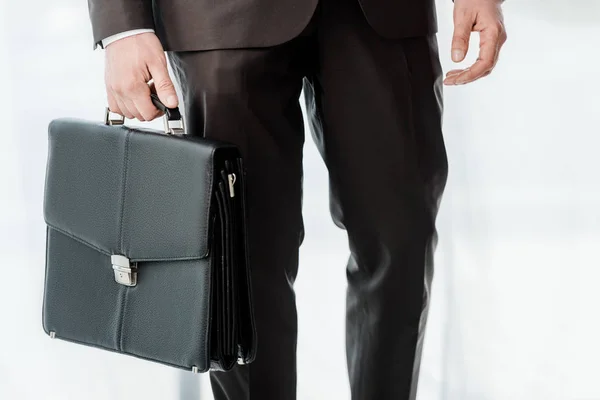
(373, 84)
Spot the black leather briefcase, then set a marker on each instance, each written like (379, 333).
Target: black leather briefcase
(146, 244)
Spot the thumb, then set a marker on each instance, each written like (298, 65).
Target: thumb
(460, 40)
(164, 87)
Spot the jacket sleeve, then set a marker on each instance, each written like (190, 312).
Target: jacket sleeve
(110, 17)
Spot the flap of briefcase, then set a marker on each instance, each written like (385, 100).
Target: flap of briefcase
(145, 196)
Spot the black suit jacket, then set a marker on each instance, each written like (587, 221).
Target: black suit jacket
(218, 24)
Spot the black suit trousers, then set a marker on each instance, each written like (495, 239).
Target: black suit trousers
(375, 109)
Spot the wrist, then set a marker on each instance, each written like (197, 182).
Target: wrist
(122, 35)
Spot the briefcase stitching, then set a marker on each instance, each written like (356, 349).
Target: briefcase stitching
(123, 297)
(208, 193)
(124, 188)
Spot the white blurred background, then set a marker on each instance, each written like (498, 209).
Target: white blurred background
(515, 312)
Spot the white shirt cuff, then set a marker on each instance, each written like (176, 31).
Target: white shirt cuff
(123, 35)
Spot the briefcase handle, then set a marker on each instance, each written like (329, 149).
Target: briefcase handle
(173, 121)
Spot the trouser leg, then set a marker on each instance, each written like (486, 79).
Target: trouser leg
(250, 97)
(375, 107)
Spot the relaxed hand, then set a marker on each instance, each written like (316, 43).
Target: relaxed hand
(485, 17)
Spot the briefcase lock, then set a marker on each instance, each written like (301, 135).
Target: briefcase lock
(125, 272)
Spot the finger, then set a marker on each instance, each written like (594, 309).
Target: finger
(476, 71)
(454, 72)
(146, 109)
(131, 86)
(491, 42)
(124, 110)
(451, 79)
(144, 105)
(488, 53)
(501, 42)
(163, 84)
(113, 106)
(132, 108)
(463, 24)
(129, 89)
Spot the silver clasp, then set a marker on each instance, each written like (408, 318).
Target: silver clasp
(120, 120)
(125, 273)
(173, 127)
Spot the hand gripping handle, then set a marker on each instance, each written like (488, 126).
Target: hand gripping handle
(173, 121)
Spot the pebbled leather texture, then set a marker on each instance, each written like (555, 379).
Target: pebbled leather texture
(159, 200)
(124, 194)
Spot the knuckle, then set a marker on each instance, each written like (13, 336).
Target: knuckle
(487, 64)
(147, 114)
(124, 86)
(160, 61)
(111, 98)
(461, 37)
(140, 114)
(151, 115)
(494, 34)
(163, 84)
(115, 84)
(129, 86)
(498, 30)
(139, 62)
(463, 14)
(488, 67)
(116, 88)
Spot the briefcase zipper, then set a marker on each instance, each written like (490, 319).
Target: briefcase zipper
(231, 179)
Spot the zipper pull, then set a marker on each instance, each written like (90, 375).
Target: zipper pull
(231, 179)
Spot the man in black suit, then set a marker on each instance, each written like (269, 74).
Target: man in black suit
(372, 80)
